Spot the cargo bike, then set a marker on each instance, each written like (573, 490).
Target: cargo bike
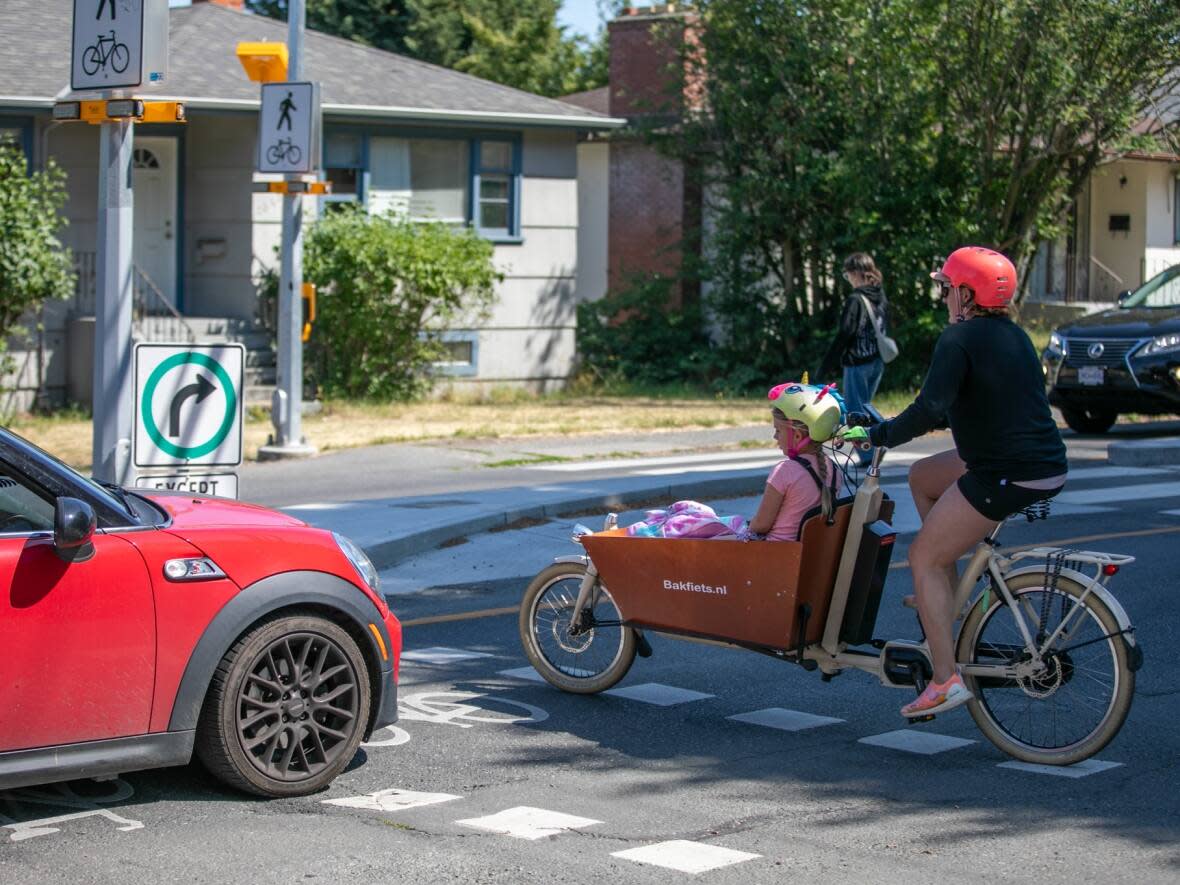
(1044, 646)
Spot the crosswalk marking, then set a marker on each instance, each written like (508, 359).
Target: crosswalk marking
(1106, 495)
(526, 822)
(785, 720)
(659, 694)
(1085, 768)
(528, 673)
(925, 743)
(685, 856)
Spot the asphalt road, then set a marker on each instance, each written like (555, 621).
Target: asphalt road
(615, 774)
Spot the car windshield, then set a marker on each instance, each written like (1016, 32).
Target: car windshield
(1162, 290)
(111, 500)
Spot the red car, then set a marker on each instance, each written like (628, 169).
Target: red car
(137, 629)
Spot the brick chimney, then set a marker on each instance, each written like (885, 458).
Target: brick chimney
(655, 202)
(647, 74)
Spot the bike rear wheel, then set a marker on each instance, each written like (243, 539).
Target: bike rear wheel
(586, 662)
(1078, 702)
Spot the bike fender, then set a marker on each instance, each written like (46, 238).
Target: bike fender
(573, 557)
(1100, 591)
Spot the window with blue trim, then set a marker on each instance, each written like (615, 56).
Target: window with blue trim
(17, 131)
(455, 180)
(496, 188)
(1176, 209)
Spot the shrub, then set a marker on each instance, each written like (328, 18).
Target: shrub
(387, 288)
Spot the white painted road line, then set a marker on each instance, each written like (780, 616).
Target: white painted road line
(926, 743)
(658, 694)
(785, 720)
(527, 673)
(1084, 768)
(1141, 492)
(615, 463)
(441, 655)
(524, 822)
(685, 856)
(392, 800)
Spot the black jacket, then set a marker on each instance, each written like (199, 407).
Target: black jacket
(986, 378)
(855, 342)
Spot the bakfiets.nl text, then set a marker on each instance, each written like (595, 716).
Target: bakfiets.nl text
(691, 587)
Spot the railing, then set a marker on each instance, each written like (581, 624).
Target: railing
(147, 300)
(1106, 284)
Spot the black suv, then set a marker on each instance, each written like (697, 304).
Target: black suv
(1119, 361)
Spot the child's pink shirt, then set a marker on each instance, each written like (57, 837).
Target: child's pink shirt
(800, 494)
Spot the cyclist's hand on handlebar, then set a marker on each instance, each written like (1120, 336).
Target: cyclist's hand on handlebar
(858, 436)
(860, 419)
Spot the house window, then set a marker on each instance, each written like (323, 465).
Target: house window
(462, 354)
(17, 132)
(344, 166)
(424, 179)
(496, 188)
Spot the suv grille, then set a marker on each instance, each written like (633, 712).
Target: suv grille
(1114, 351)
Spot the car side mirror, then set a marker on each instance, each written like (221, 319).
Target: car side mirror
(74, 523)
(1123, 295)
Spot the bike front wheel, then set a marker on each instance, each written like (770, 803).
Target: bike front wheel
(120, 57)
(586, 662)
(1077, 702)
(91, 61)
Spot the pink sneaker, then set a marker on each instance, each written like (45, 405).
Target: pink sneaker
(938, 698)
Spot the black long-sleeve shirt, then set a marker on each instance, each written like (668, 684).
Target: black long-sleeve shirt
(855, 341)
(986, 379)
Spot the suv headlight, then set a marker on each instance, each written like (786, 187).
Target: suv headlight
(361, 562)
(1161, 344)
(1058, 345)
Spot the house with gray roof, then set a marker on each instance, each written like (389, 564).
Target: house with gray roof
(398, 133)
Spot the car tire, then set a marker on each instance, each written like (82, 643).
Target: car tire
(1089, 420)
(286, 709)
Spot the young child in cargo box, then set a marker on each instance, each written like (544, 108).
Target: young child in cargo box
(805, 417)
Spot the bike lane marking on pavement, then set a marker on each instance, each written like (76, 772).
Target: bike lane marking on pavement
(1085, 768)
(529, 674)
(64, 795)
(455, 708)
(925, 743)
(398, 736)
(527, 822)
(785, 720)
(391, 800)
(441, 655)
(658, 694)
(685, 856)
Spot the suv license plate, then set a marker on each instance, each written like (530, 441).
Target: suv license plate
(1091, 375)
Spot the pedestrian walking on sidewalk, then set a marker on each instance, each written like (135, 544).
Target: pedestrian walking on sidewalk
(856, 348)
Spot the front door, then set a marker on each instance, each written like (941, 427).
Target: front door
(154, 162)
(77, 639)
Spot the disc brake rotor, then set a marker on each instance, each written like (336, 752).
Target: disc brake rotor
(568, 642)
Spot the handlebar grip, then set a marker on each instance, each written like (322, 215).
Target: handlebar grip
(860, 419)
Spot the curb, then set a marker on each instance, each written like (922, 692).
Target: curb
(1144, 453)
(389, 552)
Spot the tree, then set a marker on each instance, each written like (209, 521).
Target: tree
(901, 128)
(514, 42)
(34, 266)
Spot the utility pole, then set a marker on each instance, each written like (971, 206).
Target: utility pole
(287, 402)
(113, 394)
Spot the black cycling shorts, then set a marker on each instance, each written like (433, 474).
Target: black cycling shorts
(998, 501)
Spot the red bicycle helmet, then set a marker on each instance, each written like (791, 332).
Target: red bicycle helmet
(990, 275)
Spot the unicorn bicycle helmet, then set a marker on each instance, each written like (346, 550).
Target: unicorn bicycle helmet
(820, 408)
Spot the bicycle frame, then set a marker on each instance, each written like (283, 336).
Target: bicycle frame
(832, 656)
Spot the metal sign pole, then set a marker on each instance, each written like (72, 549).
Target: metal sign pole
(287, 404)
(112, 310)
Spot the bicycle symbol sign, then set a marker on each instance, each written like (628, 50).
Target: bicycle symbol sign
(288, 130)
(108, 44)
(188, 405)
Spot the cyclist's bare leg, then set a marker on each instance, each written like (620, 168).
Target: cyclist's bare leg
(951, 528)
(929, 478)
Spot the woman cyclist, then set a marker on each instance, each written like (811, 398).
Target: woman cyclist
(986, 379)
